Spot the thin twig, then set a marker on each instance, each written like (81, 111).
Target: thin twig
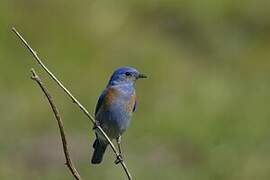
(69, 162)
(83, 109)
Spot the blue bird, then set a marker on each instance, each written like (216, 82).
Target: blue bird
(114, 109)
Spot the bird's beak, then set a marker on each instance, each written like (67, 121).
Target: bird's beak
(141, 76)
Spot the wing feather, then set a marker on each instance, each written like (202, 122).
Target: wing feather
(135, 105)
(100, 101)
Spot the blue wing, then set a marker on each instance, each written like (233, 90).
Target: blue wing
(99, 103)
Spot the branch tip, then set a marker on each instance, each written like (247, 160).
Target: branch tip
(13, 29)
(34, 75)
(68, 162)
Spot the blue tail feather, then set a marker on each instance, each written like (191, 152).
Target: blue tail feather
(99, 151)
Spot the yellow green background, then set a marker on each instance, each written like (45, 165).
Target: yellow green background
(203, 114)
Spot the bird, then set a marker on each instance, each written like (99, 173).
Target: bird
(114, 109)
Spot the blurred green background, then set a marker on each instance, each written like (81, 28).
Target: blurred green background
(203, 113)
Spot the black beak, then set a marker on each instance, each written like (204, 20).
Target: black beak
(141, 76)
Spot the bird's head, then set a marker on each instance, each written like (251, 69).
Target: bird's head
(125, 75)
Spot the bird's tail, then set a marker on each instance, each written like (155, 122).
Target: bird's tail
(99, 151)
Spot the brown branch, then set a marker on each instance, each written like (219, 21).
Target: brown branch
(82, 108)
(69, 162)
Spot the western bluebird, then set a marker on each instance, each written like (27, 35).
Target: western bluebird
(114, 109)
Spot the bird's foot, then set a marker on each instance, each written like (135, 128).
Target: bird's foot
(119, 159)
(96, 124)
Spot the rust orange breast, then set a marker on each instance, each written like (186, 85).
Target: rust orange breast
(131, 103)
(111, 94)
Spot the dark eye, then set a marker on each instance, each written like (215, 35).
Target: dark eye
(128, 74)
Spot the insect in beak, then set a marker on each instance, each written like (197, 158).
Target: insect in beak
(141, 76)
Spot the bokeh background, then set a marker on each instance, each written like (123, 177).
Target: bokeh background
(202, 114)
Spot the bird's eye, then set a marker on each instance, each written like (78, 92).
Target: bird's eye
(128, 74)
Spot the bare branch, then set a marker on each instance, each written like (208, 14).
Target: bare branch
(82, 108)
(69, 162)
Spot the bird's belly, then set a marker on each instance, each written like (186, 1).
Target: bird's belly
(115, 120)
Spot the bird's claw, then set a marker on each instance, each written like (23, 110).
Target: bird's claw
(119, 159)
(96, 124)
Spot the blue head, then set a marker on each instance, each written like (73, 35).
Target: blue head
(125, 75)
